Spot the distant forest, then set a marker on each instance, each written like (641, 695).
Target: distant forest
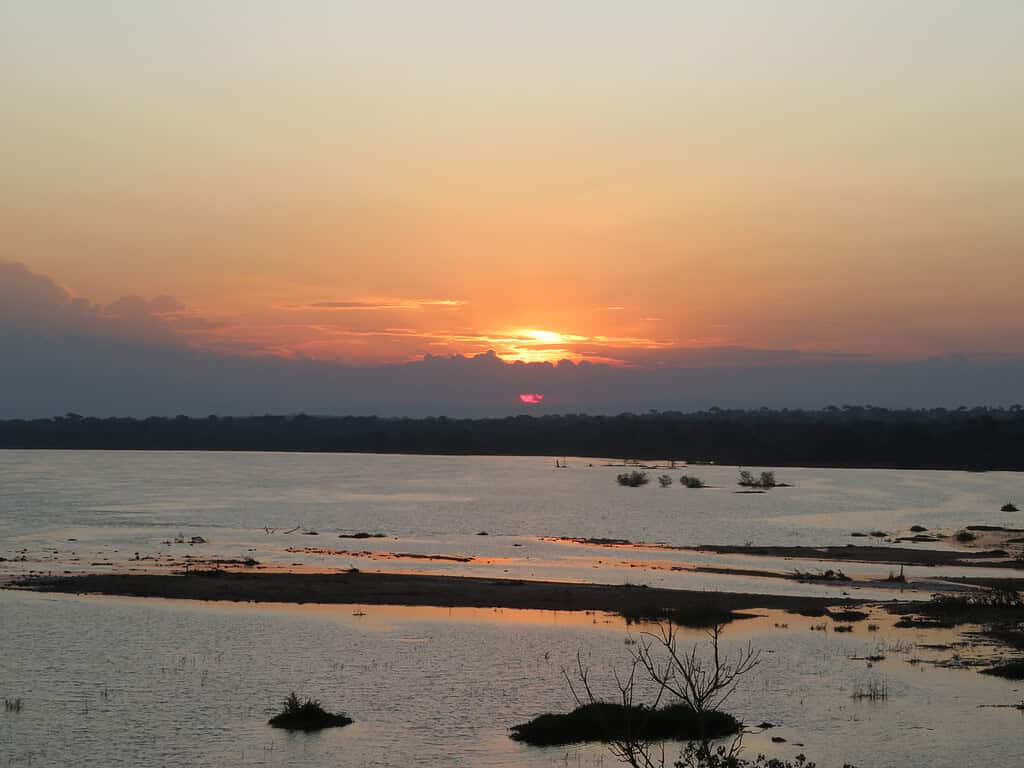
(851, 436)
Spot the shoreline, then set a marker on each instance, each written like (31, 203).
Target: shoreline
(356, 587)
(870, 554)
(511, 454)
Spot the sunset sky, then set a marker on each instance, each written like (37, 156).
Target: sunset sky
(625, 182)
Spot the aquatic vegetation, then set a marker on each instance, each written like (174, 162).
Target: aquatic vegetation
(1009, 507)
(696, 616)
(694, 756)
(633, 479)
(826, 575)
(765, 480)
(697, 686)
(899, 578)
(873, 690)
(607, 721)
(12, 704)
(307, 715)
(1013, 670)
(847, 615)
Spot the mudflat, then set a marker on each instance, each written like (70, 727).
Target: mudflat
(357, 587)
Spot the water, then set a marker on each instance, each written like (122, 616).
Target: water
(122, 682)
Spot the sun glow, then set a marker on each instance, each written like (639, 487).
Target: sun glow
(539, 336)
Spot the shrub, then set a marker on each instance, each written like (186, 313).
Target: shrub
(691, 482)
(1009, 507)
(606, 721)
(308, 715)
(633, 479)
(664, 480)
(766, 480)
(965, 536)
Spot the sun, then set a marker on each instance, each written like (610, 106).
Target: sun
(537, 345)
(542, 337)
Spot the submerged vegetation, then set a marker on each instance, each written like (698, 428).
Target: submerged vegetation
(307, 715)
(12, 704)
(872, 690)
(697, 616)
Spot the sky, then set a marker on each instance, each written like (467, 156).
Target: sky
(654, 188)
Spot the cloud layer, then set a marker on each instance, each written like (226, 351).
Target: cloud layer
(138, 357)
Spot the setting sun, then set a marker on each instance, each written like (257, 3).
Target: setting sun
(542, 336)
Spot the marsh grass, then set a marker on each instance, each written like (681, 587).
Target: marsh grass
(12, 704)
(873, 690)
(698, 616)
(1013, 670)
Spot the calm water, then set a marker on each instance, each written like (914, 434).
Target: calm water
(109, 681)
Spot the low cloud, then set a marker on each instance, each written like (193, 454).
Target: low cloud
(374, 305)
(139, 357)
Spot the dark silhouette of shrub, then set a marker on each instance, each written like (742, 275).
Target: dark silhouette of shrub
(633, 479)
(605, 721)
(308, 715)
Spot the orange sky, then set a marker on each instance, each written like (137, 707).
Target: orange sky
(547, 179)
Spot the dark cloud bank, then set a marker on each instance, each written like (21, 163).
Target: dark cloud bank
(60, 354)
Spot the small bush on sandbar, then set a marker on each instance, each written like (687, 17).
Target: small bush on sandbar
(633, 479)
(307, 715)
(765, 481)
(691, 482)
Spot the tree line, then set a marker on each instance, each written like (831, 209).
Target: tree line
(851, 436)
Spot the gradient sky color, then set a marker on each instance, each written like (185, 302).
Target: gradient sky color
(624, 182)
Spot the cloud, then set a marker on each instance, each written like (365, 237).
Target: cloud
(380, 304)
(134, 357)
